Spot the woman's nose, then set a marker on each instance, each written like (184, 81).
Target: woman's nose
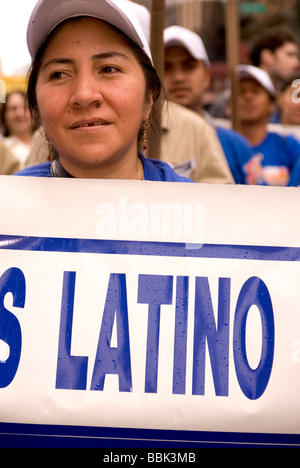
(86, 91)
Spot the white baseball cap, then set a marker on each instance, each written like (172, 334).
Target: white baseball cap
(142, 13)
(179, 36)
(259, 75)
(47, 14)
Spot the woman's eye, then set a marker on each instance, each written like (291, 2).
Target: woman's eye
(109, 69)
(58, 75)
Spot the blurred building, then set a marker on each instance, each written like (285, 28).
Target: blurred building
(11, 83)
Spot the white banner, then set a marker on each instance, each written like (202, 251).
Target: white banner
(150, 305)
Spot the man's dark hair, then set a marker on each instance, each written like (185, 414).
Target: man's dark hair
(272, 40)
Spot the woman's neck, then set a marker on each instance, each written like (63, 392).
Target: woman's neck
(132, 170)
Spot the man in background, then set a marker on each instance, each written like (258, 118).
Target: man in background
(276, 52)
(275, 156)
(187, 77)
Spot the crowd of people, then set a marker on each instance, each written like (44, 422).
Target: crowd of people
(196, 140)
(264, 149)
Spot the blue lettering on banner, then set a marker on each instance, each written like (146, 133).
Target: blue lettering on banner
(211, 327)
(12, 281)
(218, 341)
(253, 382)
(156, 290)
(114, 360)
(153, 290)
(180, 339)
(71, 370)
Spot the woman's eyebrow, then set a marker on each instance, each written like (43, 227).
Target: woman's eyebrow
(59, 61)
(105, 55)
(69, 61)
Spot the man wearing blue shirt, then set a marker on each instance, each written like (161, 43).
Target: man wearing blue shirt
(275, 156)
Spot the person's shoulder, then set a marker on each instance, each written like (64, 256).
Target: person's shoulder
(289, 141)
(174, 114)
(157, 170)
(274, 136)
(180, 110)
(38, 170)
(232, 135)
(292, 139)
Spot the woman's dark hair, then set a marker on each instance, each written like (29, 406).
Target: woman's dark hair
(153, 85)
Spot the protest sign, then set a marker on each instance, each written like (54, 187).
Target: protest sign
(149, 306)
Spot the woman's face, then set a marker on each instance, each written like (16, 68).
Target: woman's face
(91, 94)
(17, 115)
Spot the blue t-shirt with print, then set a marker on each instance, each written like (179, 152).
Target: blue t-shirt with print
(273, 161)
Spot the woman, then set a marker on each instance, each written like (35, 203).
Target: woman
(17, 128)
(93, 86)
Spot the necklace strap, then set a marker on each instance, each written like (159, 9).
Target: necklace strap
(58, 171)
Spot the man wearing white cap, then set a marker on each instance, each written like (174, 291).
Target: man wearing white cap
(203, 159)
(274, 155)
(187, 67)
(187, 76)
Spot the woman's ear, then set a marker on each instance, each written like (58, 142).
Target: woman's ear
(148, 104)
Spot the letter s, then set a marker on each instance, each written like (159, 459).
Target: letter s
(12, 281)
(295, 94)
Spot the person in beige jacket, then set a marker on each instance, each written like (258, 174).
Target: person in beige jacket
(9, 164)
(190, 145)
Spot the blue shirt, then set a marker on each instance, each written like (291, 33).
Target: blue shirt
(295, 175)
(273, 161)
(237, 151)
(154, 170)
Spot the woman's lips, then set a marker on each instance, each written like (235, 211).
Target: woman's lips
(91, 122)
(94, 124)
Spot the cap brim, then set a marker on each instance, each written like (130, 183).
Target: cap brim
(246, 72)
